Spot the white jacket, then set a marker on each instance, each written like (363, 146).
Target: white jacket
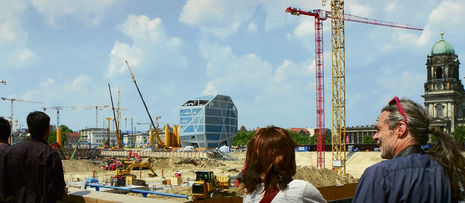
(297, 191)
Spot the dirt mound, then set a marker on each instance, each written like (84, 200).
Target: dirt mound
(80, 166)
(322, 177)
(210, 163)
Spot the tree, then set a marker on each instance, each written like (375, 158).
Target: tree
(243, 129)
(243, 138)
(52, 137)
(299, 139)
(367, 139)
(459, 134)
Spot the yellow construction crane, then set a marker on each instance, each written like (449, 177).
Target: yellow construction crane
(160, 143)
(12, 100)
(106, 143)
(338, 86)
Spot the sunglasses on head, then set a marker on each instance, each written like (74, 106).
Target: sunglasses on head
(399, 106)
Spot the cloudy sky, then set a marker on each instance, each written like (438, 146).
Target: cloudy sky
(63, 52)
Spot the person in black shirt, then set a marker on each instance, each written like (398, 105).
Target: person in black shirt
(5, 132)
(34, 170)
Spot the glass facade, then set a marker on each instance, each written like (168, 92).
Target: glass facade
(208, 121)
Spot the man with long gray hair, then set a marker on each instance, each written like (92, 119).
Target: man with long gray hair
(410, 174)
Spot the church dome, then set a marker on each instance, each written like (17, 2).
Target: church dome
(442, 47)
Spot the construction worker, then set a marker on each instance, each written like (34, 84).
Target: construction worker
(34, 172)
(5, 132)
(411, 174)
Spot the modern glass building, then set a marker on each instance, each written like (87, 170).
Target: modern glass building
(208, 121)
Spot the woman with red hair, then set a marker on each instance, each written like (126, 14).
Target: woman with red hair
(270, 165)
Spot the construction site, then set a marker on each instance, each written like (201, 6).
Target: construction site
(171, 166)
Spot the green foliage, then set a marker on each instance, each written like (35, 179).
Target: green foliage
(459, 134)
(243, 138)
(313, 139)
(299, 139)
(52, 137)
(368, 139)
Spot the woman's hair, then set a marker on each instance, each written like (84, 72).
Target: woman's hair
(270, 160)
(446, 151)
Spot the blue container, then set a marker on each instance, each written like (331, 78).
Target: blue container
(91, 180)
(302, 149)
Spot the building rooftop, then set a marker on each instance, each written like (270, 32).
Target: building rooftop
(442, 47)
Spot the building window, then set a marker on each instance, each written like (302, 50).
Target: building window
(440, 111)
(439, 73)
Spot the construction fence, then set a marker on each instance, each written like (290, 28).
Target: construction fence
(148, 153)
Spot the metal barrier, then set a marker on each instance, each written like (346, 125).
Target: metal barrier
(143, 192)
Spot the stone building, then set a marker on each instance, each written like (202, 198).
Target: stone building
(444, 93)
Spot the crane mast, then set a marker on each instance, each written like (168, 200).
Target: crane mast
(12, 100)
(338, 87)
(116, 122)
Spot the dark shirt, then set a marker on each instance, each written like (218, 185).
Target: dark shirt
(35, 173)
(409, 177)
(4, 148)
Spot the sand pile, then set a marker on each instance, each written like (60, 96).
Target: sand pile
(322, 177)
(80, 166)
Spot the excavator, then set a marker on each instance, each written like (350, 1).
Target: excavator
(121, 174)
(207, 185)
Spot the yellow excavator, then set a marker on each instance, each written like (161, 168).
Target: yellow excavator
(207, 185)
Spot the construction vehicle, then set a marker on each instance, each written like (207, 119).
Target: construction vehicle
(113, 164)
(160, 143)
(118, 139)
(207, 185)
(133, 154)
(122, 174)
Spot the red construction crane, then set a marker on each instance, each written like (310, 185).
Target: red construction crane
(320, 16)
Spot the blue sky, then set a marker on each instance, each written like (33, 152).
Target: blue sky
(62, 52)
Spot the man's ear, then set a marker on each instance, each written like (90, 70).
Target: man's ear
(401, 129)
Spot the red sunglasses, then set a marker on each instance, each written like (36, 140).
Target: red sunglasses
(399, 106)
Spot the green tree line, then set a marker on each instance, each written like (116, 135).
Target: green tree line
(243, 138)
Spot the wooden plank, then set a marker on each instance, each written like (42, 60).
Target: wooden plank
(338, 192)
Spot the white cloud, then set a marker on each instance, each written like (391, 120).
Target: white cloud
(305, 29)
(219, 18)
(13, 38)
(448, 17)
(252, 28)
(357, 9)
(80, 83)
(47, 82)
(21, 57)
(391, 6)
(151, 47)
(89, 11)
(264, 86)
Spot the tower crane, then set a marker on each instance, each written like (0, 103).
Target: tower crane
(12, 100)
(75, 107)
(97, 108)
(338, 17)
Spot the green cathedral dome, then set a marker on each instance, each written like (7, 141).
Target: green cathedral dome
(442, 47)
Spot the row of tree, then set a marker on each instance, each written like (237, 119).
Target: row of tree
(243, 137)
